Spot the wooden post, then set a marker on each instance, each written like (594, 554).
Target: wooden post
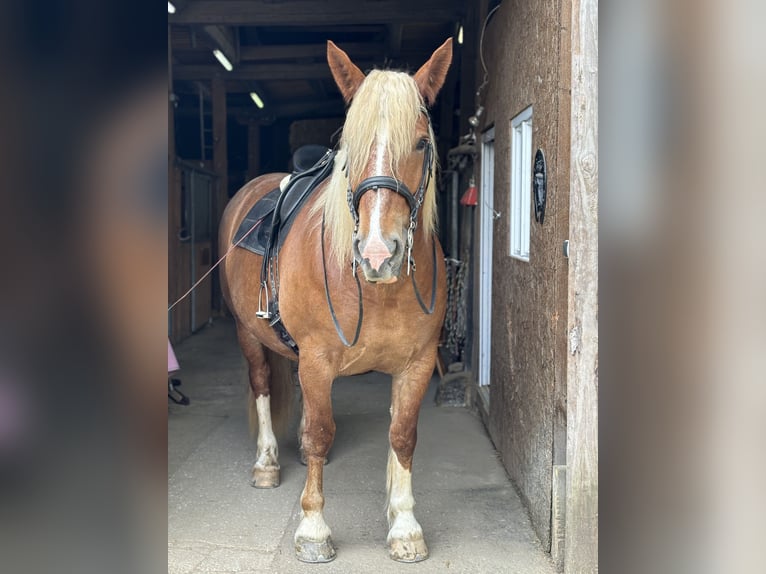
(469, 57)
(446, 117)
(581, 553)
(253, 149)
(220, 167)
(220, 163)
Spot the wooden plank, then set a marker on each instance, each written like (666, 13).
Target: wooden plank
(558, 516)
(560, 220)
(220, 164)
(395, 40)
(446, 103)
(259, 72)
(312, 13)
(253, 149)
(220, 167)
(179, 268)
(203, 291)
(224, 38)
(300, 51)
(289, 110)
(469, 63)
(581, 554)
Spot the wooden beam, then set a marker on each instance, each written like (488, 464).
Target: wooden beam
(301, 51)
(319, 87)
(312, 13)
(315, 108)
(395, 40)
(446, 102)
(202, 87)
(469, 63)
(253, 149)
(320, 70)
(225, 39)
(581, 552)
(220, 152)
(285, 71)
(221, 168)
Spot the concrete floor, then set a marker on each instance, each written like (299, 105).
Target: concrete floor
(472, 518)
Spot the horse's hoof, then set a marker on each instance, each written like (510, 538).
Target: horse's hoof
(408, 550)
(314, 552)
(265, 477)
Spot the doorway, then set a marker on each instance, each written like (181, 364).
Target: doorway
(486, 223)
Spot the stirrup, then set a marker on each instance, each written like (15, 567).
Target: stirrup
(262, 313)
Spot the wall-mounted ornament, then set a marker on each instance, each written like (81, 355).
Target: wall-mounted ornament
(539, 186)
(470, 197)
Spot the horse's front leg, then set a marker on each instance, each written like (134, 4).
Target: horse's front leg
(312, 538)
(405, 536)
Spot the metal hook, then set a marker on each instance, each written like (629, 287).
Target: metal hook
(495, 214)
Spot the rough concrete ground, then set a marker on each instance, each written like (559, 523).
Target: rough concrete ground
(472, 518)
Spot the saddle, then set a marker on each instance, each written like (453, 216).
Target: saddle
(274, 213)
(266, 225)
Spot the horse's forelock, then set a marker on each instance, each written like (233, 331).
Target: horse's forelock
(386, 102)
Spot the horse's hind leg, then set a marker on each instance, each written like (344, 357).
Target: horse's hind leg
(405, 536)
(266, 467)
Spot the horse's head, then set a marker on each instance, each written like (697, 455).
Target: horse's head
(387, 160)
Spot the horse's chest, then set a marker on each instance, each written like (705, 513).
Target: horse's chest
(388, 344)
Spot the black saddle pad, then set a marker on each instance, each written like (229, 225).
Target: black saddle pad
(274, 213)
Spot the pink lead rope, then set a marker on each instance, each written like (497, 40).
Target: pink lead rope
(217, 263)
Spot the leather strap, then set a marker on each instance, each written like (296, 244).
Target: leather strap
(385, 182)
(430, 309)
(338, 328)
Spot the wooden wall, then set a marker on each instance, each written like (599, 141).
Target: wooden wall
(581, 554)
(527, 54)
(179, 262)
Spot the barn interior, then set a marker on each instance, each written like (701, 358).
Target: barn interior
(249, 84)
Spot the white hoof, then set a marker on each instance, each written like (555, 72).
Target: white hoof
(402, 550)
(265, 477)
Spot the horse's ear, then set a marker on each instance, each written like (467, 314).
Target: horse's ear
(347, 75)
(430, 77)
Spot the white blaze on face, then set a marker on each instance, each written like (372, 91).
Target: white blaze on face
(375, 233)
(375, 249)
(380, 151)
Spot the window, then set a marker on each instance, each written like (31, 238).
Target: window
(521, 184)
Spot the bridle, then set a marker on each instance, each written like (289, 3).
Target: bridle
(415, 202)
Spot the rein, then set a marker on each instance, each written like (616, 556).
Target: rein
(415, 201)
(338, 329)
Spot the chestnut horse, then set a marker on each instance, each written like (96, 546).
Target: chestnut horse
(374, 216)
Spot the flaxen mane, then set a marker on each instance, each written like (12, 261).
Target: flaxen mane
(386, 102)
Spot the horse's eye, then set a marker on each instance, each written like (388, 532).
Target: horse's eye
(421, 144)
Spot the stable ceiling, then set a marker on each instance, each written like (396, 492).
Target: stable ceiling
(278, 48)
